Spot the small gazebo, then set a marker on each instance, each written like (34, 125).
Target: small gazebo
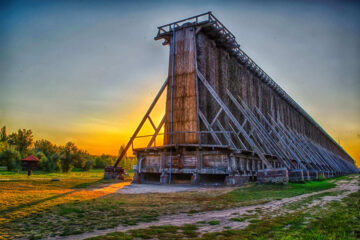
(29, 164)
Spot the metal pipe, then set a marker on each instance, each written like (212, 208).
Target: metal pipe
(197, 93)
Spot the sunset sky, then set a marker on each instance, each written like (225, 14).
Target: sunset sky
(86, 71)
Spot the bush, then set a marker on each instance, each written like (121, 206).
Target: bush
(88, 165)
(54, 162)
(13, 164)
(11, 158)
(66, 165)
(43, 160)
(104, 160)
(50, 164)
(69, 154)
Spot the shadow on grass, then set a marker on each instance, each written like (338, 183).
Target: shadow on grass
(94, 183)
(76, 188)
(35, 202)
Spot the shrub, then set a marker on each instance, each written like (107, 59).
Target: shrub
(43, 160)
(11, 158)
(104, 160)
(49, 164)
(88, 165)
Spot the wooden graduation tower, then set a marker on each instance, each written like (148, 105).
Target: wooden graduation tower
(226, 121)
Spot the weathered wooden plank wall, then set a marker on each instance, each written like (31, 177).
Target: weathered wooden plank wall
(184, 91)
(224, 72)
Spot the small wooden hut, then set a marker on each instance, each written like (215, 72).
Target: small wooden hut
(29, 164)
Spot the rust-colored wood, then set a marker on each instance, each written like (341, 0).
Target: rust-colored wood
(184, 91)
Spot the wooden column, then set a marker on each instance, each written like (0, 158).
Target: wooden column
(184, 90)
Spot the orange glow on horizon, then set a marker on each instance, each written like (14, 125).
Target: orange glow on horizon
(101, 136)
(105, 136)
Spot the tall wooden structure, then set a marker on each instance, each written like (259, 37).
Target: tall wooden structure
(226, 120)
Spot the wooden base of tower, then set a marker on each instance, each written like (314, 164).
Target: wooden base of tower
(208, 166)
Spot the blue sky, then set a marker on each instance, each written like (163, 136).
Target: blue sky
(86, 71)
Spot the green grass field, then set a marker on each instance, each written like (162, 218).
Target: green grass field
(338, 220)
(62, 206)
(97, 173)
(75, 173)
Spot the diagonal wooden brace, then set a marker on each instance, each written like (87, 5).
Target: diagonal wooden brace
(233, 119)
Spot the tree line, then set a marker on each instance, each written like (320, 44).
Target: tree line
(20, 144)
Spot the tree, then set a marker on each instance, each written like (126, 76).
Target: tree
(11, 158)
(88, 165)
(51, 163)
(104, 160)
(69, 155)
(54, 162)
(80, 158)
(128, 163)
(3, 146)
(51, 151)
(22, 140)
(43, 160)
(3, 135)
(45, 147)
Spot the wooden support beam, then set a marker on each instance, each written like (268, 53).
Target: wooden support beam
(322, 160)
(233, 119)
(267, 141)
(293, 137)
(142, 122)
(151, 122)
(226, 135)
(213, 134)
(216, 117)
(237, 136)
(157, 130)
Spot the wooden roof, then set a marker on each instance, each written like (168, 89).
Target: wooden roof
(31, 158)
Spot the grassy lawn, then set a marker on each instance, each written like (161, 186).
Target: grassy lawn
(339, 220)
(61, 206)
(74, 174)
(261, 192)
(336, 220)
(187, 231)
(96, 173)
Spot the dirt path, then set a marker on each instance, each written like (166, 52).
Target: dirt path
(156, 188)
(223, 216)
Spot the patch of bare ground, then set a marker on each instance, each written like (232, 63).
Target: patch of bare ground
(241, 217)
(156, 188)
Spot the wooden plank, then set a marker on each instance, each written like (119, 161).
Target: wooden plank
(233, 119)
(184, 102)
